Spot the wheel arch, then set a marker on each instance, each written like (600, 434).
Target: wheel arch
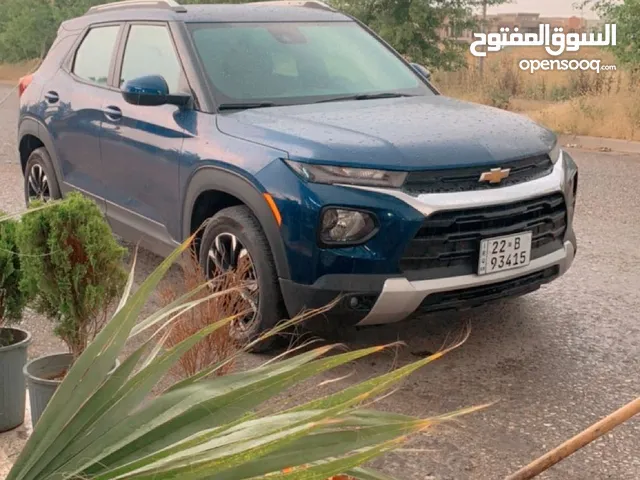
(234, 190)
(33, 135)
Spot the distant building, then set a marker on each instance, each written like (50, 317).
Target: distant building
(530, 22)
(526, 23)
(451, 31)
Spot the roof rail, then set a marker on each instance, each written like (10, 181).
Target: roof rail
(164, 4)
(297, 3)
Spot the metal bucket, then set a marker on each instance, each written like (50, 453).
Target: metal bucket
(12, 387)
(40, 374)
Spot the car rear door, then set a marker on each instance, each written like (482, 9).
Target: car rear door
(73, 112)
(141, 145)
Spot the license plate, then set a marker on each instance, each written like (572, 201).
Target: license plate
(504, 253)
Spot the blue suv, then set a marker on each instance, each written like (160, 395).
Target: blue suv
(320, 160)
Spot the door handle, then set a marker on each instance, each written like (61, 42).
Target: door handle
(51, 96)
(112, 113)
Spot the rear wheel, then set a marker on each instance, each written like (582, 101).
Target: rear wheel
(234, 240)
(40, 181)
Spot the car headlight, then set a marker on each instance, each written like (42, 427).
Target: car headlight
(555, 152)
(347, 175)
(340, 226)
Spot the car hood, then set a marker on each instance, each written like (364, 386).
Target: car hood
(401, 133)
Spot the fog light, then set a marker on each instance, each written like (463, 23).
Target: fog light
(361, 302)
(342, 226)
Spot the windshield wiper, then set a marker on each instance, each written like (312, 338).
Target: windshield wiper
(366, 96)
(242, 106)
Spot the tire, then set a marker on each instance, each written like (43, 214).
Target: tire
(40, 168)
(240, 223)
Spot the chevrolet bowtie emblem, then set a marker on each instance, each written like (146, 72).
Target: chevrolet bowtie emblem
(495, 175)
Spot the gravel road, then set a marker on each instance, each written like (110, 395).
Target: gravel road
(554, 361)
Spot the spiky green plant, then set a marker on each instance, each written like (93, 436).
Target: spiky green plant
(105, 427)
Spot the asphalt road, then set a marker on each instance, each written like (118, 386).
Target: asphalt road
(554, 361)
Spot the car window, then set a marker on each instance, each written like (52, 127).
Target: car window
(150, 51)
(93, 57)
(295, 62)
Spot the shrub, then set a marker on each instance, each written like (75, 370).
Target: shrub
(72, 267)
(218, 345)
(505, 82)
(11, 297)
(508, 78)
(632, 109)
(12, 300)
(499, 98)
(560, 93)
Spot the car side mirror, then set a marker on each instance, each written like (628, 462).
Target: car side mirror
(422, 71)
(152, 91)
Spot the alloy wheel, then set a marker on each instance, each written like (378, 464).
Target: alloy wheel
(38, 184)
(228, 254)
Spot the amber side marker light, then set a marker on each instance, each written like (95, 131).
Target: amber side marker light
(273, 207)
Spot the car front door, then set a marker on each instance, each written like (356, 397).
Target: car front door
(73, 114)
(141, 145)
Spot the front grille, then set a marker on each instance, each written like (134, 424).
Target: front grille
(475, 296)
(448, 242)
(465, 179)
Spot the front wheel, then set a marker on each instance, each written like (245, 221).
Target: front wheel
(233, 240)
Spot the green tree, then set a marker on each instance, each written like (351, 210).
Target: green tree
(626, 16)
(413, 27)
(417, 28)
(72, 267)
(27, 28)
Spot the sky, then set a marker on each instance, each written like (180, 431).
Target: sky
(546, 8)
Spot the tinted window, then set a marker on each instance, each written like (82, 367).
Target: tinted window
(94, 54)
(150, 51)
(289, 62)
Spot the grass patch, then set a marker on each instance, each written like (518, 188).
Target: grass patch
(573, 102)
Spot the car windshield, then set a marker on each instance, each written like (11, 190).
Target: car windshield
(263, 64)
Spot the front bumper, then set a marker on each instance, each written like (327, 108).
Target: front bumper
(400, 298)
(375, 296)
(382, 299)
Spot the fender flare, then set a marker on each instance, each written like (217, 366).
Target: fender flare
(215, 178)
(31, 126)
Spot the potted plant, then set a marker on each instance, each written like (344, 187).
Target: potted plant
(239, 426)
(72, 271)
(13, 341)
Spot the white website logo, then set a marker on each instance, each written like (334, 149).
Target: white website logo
(564, 65)
(570, 42)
